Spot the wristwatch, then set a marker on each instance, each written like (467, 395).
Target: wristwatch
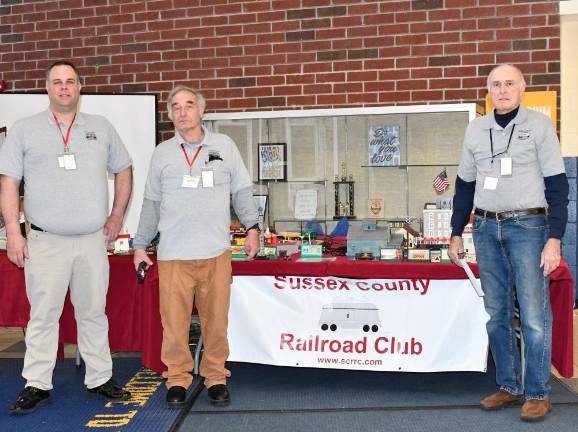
(255, 227)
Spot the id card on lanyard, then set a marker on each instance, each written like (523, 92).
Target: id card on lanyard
(190, 181)
(67, 159)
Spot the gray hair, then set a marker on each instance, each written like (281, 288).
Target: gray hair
(180, 88)
(489, 83)
(62, 63)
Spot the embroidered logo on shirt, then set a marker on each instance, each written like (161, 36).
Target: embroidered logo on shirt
(524, 134)
(215, 155)
(90, 135)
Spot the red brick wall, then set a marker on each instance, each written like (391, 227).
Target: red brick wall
(284, 54)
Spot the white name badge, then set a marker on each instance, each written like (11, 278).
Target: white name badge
(490, 183)
(190, 181)
(207, 176)
(506, 166)
(69, 161)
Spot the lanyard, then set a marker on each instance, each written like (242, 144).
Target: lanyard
(189, 161)
(64, 139)
(492, 143)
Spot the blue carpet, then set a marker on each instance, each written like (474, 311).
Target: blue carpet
(72, 410)
(268, 398)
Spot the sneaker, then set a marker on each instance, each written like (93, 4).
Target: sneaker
(535, 410)
(500, 399)
(109, 391)
(29, 399)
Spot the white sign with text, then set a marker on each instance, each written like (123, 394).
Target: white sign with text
(410, 325)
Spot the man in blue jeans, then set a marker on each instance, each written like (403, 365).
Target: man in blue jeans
(512, 173)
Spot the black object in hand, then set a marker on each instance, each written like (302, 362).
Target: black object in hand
(141, 272)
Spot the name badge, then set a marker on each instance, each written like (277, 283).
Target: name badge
(506, 166)
(490, 183)
(190, 181)
(69, 161)
(208, 178)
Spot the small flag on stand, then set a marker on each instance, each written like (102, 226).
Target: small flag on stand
(441, 182)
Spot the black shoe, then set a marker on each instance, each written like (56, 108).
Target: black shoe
(29, 399)
(109, 391)
(176, 396)
(219, 394)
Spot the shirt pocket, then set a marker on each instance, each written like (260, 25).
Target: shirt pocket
(221, 174)
(524, 152)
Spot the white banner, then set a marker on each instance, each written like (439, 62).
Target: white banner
(411, 325)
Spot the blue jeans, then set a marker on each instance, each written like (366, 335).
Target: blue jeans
(508, 253)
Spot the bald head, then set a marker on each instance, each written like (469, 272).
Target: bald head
(507, 68)
(506, 86)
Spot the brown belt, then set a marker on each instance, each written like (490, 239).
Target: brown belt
(510, 214)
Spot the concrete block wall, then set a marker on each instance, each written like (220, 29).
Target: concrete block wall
(569, 244)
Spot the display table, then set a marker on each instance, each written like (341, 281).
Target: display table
(133, 309)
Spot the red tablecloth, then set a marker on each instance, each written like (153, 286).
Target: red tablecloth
(133, 309)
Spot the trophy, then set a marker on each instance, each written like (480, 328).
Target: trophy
(344, 189)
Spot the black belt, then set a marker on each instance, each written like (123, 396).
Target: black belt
(510, 214)
(36, 228)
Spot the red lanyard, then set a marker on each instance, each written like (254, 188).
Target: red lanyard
(64, 139)
(191, 162)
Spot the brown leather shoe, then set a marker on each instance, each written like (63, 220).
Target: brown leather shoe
(535, 410)
(500, 399)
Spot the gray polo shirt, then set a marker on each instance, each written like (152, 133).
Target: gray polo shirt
(65, 202)
(194, 222)
(535, 153)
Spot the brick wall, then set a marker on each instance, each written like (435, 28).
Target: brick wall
(283, 54)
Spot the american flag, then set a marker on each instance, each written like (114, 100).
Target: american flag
(441, 182)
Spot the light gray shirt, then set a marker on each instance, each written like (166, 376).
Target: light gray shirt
(65, 202)
(535, 153)
(194, 221)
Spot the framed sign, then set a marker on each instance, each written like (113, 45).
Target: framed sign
(272, 160)
(384, 146)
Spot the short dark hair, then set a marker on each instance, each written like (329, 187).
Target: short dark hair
(62, 63)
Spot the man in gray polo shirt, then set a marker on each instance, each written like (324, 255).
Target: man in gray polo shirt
(512, 172)
(63, 156)
(187, 199)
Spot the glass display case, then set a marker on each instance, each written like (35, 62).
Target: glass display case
(389, 156)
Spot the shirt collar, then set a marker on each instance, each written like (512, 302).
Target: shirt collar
(80, 119)
(206, 141)
(490, 121)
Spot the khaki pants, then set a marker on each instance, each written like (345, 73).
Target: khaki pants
(55, 263)
(207, 283)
